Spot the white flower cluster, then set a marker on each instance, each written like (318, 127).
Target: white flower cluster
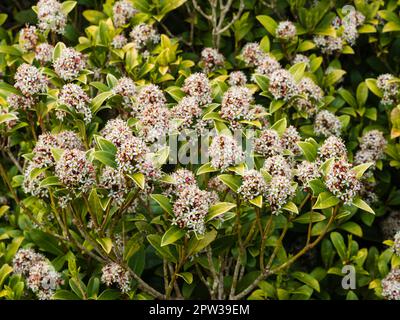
(391, 285)
(50, 16)
(28, 38)
(299, 58)
(75, 171)
(235, 103)
(390, 224)
(333, 147)
(307, 171)
(282, 85)
(279, 192)
(278, 166)
(342, 181)
(126, 89)
(17, 102)
(44, 53)
(390, 88)
(115, 183)
(289, 140)
(30, 80)
(117, 131)
(143, 35)
(150, 96)
(328, 44)
(327, 124)
(191, 207)
(237, 78)
(123, 11)
(268, 143)
(154, 122)
(197, 85)
(252, 54)
(119, 41)
(350, 23)
(41, 277)
(131, 154)
(285, 30)
(211, 59)
(69, 64)
(76, 99)
(372, 147)
(267, 65)
(114, 273)
(187, 110)
(253, 185)
(225, 152)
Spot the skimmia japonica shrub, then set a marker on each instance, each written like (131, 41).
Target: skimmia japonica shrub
(200, 150)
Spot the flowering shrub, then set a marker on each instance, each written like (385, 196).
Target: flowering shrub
(249, 151)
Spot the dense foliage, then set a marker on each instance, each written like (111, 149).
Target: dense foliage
(199, 149)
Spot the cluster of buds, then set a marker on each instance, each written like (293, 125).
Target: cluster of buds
(113, 273)
(30, 80)
(28, 38)
(143, 35)
(252, 54)
(115, 183)
(286, 30)
(117, 131)
(75, 171)
(327, 124)
(187, 110)
(41, 277)
(235, 103)
(76, 99)
(278, 166)
(267, 65)
(131, 154)
(253, 185)
(237, 78)
(389, 86)
(44, 53)
(390, 225)
(372, 147)
(211, 59)
(307, 171)
(342, 182)
(154, 122)
(123, 11)
(69, 64)
(50, 16)
(391, 285)
(333, 147)
(280, 190)
(191, 207)
(119, 41)
(350, 23)
(150, 96)
(268, 143)
(289, 140)
(126, 89)
(17, 102)
(282, 85)
(197, 85)
(328, 44)
(225, 152)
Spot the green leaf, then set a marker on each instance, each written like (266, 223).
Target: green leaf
(233, 182)
(219, 209)
(65, 295)
(187, 276)
(205, 168)
(106, 244)
(50, 181)
(352, 228)
(307, 279)
(172, 235)
(359, 203)
(99, 100)
(310, 217)
(268, 23)
(360, 169)
(196, 245)
(175, 92)
(67, 6)
(139, 179)
(262, 81)
(163, 201)
(325, 200)
(338, 243)
(7, 117)
(371, 84)
(280, 126)
(258, 201)
(105, 145)
(291, 207)
(362, 94)
(309, 150)
(94, 16)
(297, 70)
(5, 270)
(106, 158)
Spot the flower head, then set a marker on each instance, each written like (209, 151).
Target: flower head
(69, 64)
(30, 80)
(328, 44)
(119, 41)
(17, 102)
(44, 53)
(28, 38)
(211, 59)
(235, 103)
(75, 171)
(267, 65)
(150, 96)
(224, 152)
(282, 85)
(188, 110)
(237, 78)
(144, 34)
(289, 140)
(252, 53)
(327, 124)
(342, 181)
(253, 185)
(279, 192)
(307, 171)
(333, 147)
(197, 85)
(117, 131)
(391, 285)
(115, 182)
(123, 11)
(268, 143)
(113, 273)
(50, 16)
(76, 99)
(285, 30)
(389, 87)
(131, 154)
